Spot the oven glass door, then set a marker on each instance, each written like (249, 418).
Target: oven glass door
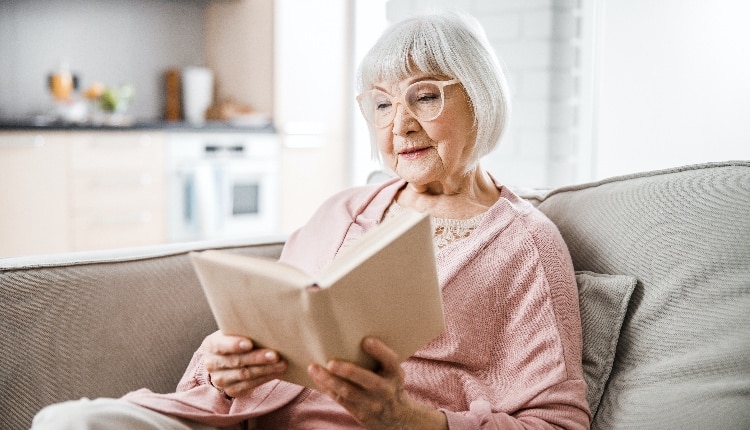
(247, 200)
(223, 199)
(222, 185)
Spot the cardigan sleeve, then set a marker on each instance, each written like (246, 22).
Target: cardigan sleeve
(559, 407)
(195, 374)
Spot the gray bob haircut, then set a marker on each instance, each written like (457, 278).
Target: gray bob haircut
(449, 44)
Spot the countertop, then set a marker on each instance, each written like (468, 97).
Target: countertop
(155, 125)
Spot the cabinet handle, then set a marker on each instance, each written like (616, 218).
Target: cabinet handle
(141, 141)
(142, 179)
(217, 148)
(142, 217)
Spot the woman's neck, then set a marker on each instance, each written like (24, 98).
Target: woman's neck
(456, 198)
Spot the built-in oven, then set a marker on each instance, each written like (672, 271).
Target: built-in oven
(222, 185)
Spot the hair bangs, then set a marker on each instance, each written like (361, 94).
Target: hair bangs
(403, 52)
(450, 46)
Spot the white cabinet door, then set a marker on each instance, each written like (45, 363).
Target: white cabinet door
(80, 191)
(33, 193)
(117, 189)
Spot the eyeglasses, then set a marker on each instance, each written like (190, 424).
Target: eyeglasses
(424, 100)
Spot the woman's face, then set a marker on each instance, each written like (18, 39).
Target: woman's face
(425, 152)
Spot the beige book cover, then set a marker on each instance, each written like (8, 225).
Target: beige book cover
(384, 284)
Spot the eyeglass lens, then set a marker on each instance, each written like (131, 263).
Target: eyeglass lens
(424, 100)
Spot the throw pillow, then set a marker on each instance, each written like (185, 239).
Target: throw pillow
(603, 302)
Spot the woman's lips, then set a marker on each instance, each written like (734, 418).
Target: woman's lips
(412, 153)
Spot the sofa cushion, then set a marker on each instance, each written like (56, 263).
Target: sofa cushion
(604, 302)
(683, 357)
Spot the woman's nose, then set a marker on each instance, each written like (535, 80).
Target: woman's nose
(403, 121)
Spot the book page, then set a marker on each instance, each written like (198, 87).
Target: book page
(250, 296)
(393, 294)
(371, 242)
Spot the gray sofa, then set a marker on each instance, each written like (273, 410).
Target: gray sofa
(663, 266)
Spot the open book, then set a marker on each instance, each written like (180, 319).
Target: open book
(384, 284)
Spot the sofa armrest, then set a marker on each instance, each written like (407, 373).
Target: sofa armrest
(100, 324)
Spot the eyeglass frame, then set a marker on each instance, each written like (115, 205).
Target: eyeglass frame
(402, 100)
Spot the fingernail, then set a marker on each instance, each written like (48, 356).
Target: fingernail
(246, 344)
(312, 369)
(270, 356)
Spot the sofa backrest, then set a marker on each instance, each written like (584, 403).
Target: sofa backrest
(100, 324)
(683, 356)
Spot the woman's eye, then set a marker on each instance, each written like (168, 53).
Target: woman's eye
(424, 93)
(380, 101)
(382, 106)
(427, 97)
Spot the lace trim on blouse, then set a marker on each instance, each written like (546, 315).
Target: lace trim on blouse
(445, 230)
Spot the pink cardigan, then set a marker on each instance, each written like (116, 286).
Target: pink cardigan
(511, 353)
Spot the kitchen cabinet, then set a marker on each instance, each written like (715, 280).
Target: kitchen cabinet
(77, 191)
(117, 196)
(33, 193)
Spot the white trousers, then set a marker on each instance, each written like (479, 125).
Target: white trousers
(105, 413)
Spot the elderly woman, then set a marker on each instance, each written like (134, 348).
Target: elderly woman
(436, 101)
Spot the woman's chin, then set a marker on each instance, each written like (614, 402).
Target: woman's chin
(417, 176)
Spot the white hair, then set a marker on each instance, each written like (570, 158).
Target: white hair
(447, 44)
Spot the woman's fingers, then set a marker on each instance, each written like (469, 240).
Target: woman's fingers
(383, 354)
(221, 344)
(382, 380)
(389, 369)
(238, 382)
(257, 357)
(360, 390)
(336, 387)
(374, 401)
(235, 368)
(244, 388)
(355, 375)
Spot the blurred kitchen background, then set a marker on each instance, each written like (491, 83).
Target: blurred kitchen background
(600, 88)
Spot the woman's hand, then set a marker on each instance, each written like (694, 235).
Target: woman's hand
(235, 367)
(376, 400)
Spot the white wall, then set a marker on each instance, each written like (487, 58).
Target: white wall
(672, 80)
(312, 92)
(369, 21)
